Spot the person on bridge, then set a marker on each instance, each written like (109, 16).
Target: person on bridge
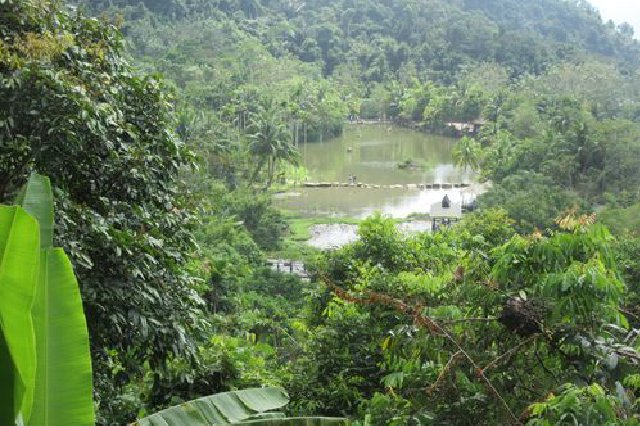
(446, 203)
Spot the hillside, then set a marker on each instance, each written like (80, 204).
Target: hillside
(376, 41)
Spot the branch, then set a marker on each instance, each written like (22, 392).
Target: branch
(544, 367)
(447, 368)
(510, 352)
(428, 323)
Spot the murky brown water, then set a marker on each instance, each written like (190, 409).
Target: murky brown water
(372, 153)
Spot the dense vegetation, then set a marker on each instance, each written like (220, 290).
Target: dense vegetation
(526, 312)
(470, 327)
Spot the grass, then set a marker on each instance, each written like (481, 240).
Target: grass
(300, 227)
(295, 245)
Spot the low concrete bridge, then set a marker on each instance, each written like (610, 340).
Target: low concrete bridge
(416, 186)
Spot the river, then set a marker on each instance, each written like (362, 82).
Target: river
(372, 153)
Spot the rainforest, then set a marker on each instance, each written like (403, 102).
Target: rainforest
(287, 212)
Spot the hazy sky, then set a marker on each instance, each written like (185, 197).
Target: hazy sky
(620, 11)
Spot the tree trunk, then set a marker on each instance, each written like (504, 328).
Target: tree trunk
(271, 171)
(254, 176)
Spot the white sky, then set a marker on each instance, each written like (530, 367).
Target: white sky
(620, 11)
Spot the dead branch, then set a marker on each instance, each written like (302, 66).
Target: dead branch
(453, 361)
(510, 352)
(372, 298)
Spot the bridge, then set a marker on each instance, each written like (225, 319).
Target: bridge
(416, 186)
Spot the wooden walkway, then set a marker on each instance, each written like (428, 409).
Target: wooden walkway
(416, 186)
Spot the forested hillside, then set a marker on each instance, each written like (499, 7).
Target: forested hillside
(165, 127)
(378, 41)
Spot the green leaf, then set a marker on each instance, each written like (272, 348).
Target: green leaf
(249, 406)
(63, 394)
(222, 408)
(19, 258)
(37, 199)
(538, 408)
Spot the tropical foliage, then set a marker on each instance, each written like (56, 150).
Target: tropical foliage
(466, 153)
(448, 327)
(44, 344)
(526, 312)
(79, 114)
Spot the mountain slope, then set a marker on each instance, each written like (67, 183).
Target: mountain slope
(433, 39)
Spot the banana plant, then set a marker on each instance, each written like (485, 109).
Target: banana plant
(19, 263)
(245, 407)
(44, 343)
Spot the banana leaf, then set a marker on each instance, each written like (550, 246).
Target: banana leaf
(221, 408)
(297, 421)
(19, 268)
(63, 392)
(250, 406)
(63, 385)
(37, 199)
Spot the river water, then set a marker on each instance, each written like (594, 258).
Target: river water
(372, 153)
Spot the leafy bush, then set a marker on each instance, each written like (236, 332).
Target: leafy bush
(532, 200)
(589, 405)
(265, 224)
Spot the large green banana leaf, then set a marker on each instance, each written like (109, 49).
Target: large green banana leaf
(19, 268)
(63, 386)
(37, 199)
(221, 408)
(250, 406)
(63, 393)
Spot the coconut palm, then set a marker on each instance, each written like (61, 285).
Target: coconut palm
(270, 142)
(467, 153)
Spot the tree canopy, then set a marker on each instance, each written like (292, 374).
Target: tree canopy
(74, 109)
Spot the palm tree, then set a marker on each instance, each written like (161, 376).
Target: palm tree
(467, 153)
(270, 142)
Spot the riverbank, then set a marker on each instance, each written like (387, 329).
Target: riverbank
(453, 129)
(368, 121)
(296, 242)
(307, 237)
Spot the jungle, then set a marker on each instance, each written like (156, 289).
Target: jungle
(392, 212)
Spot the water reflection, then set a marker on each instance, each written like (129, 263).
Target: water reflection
(372, 154)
